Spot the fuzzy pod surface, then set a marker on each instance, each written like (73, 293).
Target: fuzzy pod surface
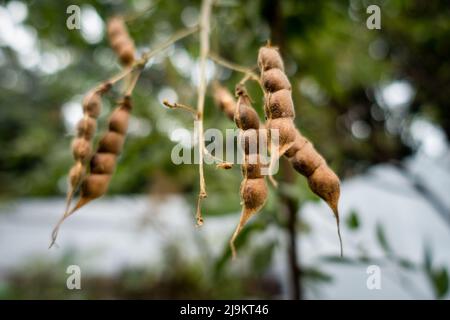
(299, 142)
(253, 190)
(269, 58)
(285, 128)
(92, 104)
(81, 149)
(280, 112)
(120, 40)
(245, 116)
(274, 80)
(102, 163)
(86, 127)
(280, 105)
(118, 122)
(307, 160)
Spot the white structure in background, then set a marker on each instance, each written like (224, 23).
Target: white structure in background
(115, 231)
(384, 195)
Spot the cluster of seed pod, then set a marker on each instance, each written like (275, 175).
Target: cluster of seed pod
(120, 40)
(85, 131)
(103, 161)
(94, 183)
(253, 189)
(279, 111)
(278, 105)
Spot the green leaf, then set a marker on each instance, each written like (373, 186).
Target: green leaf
(427, 257)
(439, 280)
(262, 257)
(382, 240)
(316, 275)
(353, 220)
(406, 264)
(339, 259)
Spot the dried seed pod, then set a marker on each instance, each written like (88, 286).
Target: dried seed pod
(274, 80)
(280, 105)
(81, 146)
(248, 118)
(76, 174)
(279, 110)
(286, 131)
(269, 58)
(299, 142)
(245, 116)
(252, 141)
(111, 142)
(252, 170)
(249, 141)
(254, 195)
(126, 54)
(94, 186)
(253, 188)
(307, 160)
(321, 179)
(224, 100)
(92, 104)
(86, 128)
(121, 41)
(325, 183)
(116, 27)
(118, 122)
(103, 163)
(282, 135)
(81, 149)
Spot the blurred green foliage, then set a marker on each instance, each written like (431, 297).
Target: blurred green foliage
(353, 220)
(327, 49)
(337, 68)
(175, 278)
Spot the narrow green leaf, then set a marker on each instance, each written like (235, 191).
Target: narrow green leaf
(382, 240)
(316, 275)
(353, 220)
(427, 257)
(440, 282)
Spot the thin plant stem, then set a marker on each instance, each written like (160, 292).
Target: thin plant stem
(120, 75)
(132, 16)
(174, 38)
(207, 153)
(176, 105)
(204, 25)
(133, 81)
(233, 66)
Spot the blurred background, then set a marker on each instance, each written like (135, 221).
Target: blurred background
(374, 102)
